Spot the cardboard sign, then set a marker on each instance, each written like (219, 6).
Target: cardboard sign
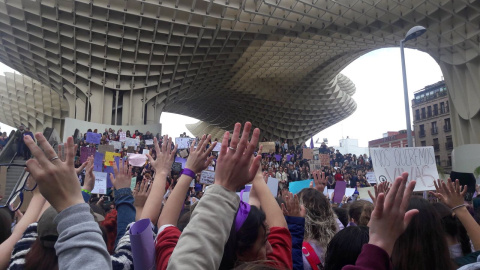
(85, 152)
(100, 183)
(340, 187)
(148, 142)
(315, 165)
(324, 159)
(110, 158)
(123, 136)
(307, 153)
(272, 184)
(268, 147)
(184, 143)
(106, 148)
(217, 147)
(419, 162)
(177, 167)
(93, 138)
(371, 177)
(131, 149)
(183, 153)
(207, 177)
(116, 145)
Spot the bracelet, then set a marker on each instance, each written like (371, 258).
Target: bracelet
(188, 172)
(458, 206)
(86, 191)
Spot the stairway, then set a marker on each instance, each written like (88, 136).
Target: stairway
(13, 175)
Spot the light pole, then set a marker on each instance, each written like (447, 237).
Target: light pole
(415, 32)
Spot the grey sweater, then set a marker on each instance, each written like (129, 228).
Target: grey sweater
(80, 244)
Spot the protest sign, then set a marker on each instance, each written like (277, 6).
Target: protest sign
(207, 177)
(363, 193)
(93, 138)
(314, 165)
(183, 153)
(137, 160)
(340, 187)
(85, 152)
(324, 159)
(133, 183)
(297, 186)
(177, 167)
(268, 147)
(148, 142)
(110, 158)
(116, 145)
(109, 170)
(419, 162)
(123, 136)
(146, 151)
(98, 162)
(217, 147)
(272, 184)
(211, 168)
(307, 153)
(184, 143)
(349, 192)
(182, 161)
(371, 177)
(100, 183)
(132, 142)
(330, 194)
(106, 148)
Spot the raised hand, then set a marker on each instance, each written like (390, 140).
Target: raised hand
(56, 179)
(389, 218)
(141, 193)
(122, 177)
(235, 166)
(165, 156)
(80, 169)
(292, 206)
(320, 180)
(383, 187)
(89, 182)
(199, 159)
(450, 193)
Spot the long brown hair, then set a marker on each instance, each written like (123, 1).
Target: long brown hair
(40, 257)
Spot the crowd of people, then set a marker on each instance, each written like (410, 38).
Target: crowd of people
(198, 226)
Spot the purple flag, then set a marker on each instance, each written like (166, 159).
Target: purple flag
(311, 143)
(93, 137)
(289, 157)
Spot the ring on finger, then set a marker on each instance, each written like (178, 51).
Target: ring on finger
(54, 158)
(231, 148)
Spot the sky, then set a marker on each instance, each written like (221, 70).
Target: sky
(379, 96)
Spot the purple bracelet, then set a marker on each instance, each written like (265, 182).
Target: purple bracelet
(188, 172)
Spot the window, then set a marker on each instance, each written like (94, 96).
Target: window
(429, 111)
(449, 143)
(423, 143)
(436, 145)
(422, 131)
(437, 160)
(442, 107)
(446, 107)
(435, 109)
(434, 128)
(447, 127)
(417, 114)
(423, 113)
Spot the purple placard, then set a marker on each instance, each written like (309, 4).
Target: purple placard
(93, 137)
(143, 247)
(181, 160)
(278, 157)
(340, 188)
(289, 157)
(109, 170)
(98, 162)
(85, 152)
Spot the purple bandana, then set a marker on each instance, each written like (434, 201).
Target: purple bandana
(242, 213)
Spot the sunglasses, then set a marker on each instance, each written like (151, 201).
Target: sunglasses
(15, 200)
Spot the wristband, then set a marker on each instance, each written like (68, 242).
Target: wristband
(458, 206)
(188, 172)
(86, 191)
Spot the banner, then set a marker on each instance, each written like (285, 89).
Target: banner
(100, 183)
(419, 162)
(307, 153)
(85, 152)
(268, 147)
(106, 148)
(93, 138)
(184, 143)
(123, 136)
(110, 158)
(207, 177)
(116, 145)
(137, 160)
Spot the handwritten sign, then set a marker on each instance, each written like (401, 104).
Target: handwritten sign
(123, 136)
(148, 142)
(371, 177)
(110, 158)
(85, 152)
(184, 143)
(419, 162)
(324, 159)
(268, 147)
(315, 165)
(132, 142)
(93, 138)
(146, 151)
(116, 145)
(307, 153)
(100, 183)
(207, 177)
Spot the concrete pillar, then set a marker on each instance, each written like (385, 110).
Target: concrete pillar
(80, 109)
(107, 107)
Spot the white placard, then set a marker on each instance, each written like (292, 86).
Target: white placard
(207, 177)
(330, 192)
(192, 184)
(146, 151)
(272, 184)
(184, 143)
(116, 145)
(349, 192)
(131, 142)
(123, 136)
(148, 142)
(217, 147)
(419, 162)
(211, 168)
(100, 183)
(371, 177)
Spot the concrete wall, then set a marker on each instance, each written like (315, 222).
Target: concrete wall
(72, 124)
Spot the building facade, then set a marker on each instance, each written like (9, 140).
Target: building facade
(350, 146)
(391, 139)
(432, 125)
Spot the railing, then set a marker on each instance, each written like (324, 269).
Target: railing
(449, 145)
(447, 128)
(436, 147)
(434, 131)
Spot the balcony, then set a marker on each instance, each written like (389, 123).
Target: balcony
(434, 131)
(421, 134)
(447, 128)
(449, 145)
(436, 147)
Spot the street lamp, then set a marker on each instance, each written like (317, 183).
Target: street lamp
(415, 32)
